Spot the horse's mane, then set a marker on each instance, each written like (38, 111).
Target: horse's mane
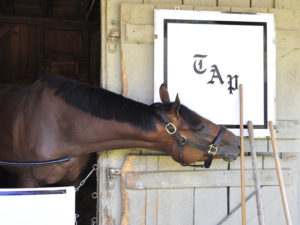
(102, 103)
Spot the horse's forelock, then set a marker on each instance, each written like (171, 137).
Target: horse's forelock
(191, 117)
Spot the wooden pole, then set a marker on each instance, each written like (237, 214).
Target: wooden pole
(242, 158)
(123, 75)
(279, 175)
(259, 206)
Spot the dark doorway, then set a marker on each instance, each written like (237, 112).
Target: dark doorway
(58, 36)
(52, 36)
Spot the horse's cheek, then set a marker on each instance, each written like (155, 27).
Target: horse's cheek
(191, 155)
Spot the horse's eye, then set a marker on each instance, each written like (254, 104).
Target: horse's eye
(200, 128)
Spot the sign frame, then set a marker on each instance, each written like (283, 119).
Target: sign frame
(176, 30)
(34, 206)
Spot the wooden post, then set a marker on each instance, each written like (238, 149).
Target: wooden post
(279, 175)
(124, 75)
(259, 206)
(242, 158)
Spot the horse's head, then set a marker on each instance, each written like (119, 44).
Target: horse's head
(193, 138)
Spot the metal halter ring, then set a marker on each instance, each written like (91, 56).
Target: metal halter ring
(184, 140)
(168, 125)
(212, 149)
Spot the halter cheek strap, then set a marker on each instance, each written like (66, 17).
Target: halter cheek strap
(182, 140)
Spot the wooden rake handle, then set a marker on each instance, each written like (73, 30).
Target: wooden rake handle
(242, 157)
(259, 205)
(279, 175)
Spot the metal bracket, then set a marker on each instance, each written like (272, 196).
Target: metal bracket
(112, 40)
(111, 175)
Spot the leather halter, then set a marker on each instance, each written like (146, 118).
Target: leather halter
(182, 140)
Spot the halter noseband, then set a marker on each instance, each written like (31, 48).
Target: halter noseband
(182, 140)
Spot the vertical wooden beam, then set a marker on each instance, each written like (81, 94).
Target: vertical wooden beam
(103, 44)
(279, 174)
(123, 74)
(259, 206)
(44, 6)
(242, 160)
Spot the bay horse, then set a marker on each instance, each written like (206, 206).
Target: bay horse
(59, 118)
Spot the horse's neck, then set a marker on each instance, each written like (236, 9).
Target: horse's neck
(93, 134)
(84, 131)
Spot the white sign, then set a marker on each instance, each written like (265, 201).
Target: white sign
(37, 206)
(204, 56)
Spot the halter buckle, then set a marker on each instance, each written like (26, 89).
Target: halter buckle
(170, 128)
(212, 150)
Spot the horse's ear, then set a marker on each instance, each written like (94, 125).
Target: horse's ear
(164, 94)
(176, 106)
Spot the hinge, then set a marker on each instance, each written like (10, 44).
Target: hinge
(112, 40)
(111, 175)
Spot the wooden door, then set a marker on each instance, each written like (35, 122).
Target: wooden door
(154, 190)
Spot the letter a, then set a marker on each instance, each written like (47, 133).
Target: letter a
(216, 74)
